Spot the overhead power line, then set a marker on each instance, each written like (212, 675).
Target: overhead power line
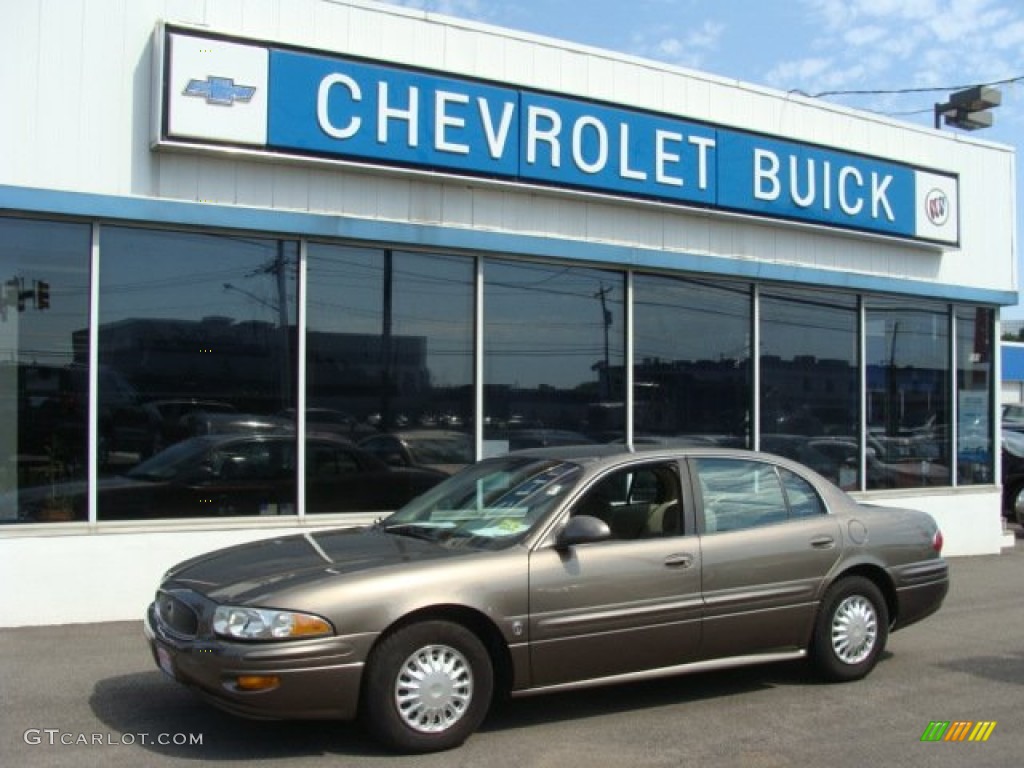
(897, 91)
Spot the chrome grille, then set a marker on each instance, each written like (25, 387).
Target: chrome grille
(176, 615)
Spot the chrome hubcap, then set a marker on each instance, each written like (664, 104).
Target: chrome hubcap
(434, 689)
(854, 629)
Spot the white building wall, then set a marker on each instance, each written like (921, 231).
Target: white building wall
(84, 125)
(65, 577)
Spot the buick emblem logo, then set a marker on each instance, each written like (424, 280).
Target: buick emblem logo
(936, 207)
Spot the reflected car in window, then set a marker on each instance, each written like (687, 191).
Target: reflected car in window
(216, 422)
(239, 475)
(177, 415)
(56, 415)
(547, 570)
(443, 450)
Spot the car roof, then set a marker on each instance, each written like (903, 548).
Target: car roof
(600, 457)
(403, 434)
(611, 453)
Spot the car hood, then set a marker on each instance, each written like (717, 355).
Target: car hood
(252, 573)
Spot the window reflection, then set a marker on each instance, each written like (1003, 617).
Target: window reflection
(908, 379)
(197, 376)
(810, 381)
(554, 357)
(44, 317)
(390, 365)
(197, 349)
(975, 333)
(692, 360)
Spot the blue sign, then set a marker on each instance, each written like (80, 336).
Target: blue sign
(329, 106)
(368, 112)
(777, 178)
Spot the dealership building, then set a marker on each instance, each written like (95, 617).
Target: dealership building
(332, 221)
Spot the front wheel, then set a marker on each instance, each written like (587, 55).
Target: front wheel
(427, 687)
(851, 630)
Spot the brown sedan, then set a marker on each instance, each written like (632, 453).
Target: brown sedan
(548, 570)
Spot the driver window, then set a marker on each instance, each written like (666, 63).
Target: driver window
(636, 503)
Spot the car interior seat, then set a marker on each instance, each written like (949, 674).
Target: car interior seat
(663, 519)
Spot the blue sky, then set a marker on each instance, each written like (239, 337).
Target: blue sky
(813, 46)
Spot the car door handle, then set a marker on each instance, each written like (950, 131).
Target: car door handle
(823, 542)
(679, 560)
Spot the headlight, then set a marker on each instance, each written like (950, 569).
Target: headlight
(263, 624)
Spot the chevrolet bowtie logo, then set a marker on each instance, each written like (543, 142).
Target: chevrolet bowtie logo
(220, 90)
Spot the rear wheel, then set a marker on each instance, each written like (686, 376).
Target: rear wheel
(427, 687)
(851, 630)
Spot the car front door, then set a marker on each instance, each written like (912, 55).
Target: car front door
(767, 544)
(628, 603)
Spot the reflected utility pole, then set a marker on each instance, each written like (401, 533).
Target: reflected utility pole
(277, 267)
(386, 343)
(606, 317)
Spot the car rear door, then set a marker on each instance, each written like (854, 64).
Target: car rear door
(767, 545)
(622, 605)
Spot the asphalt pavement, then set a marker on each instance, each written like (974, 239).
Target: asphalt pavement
(90, 695)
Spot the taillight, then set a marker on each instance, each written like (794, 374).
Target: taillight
(937, 541)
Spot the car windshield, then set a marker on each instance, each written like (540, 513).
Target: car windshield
(490, 505)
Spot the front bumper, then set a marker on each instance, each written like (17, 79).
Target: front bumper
(317, 678)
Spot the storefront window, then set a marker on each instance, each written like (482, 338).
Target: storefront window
(975, 331)
(196, 394)
(554, 341)
(810, 381)
(44, 341)
(390, 367)
(691, 360)
(198, 372)
(908, 379)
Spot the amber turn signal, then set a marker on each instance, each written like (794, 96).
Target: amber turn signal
(257, 682)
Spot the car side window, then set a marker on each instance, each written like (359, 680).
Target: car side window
(246, 461)
(739, 493)
(636, 503)
(803, 500)
(327, 461)
(386, 448)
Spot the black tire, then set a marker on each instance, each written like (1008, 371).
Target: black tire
(427, 687)
(851, 630)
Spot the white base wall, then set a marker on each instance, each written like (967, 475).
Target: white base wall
(91, 576)
(67, 575)
(970, 519)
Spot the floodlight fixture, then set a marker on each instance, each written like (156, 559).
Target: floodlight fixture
(969, 109)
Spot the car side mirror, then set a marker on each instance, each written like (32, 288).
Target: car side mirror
(582, 529)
